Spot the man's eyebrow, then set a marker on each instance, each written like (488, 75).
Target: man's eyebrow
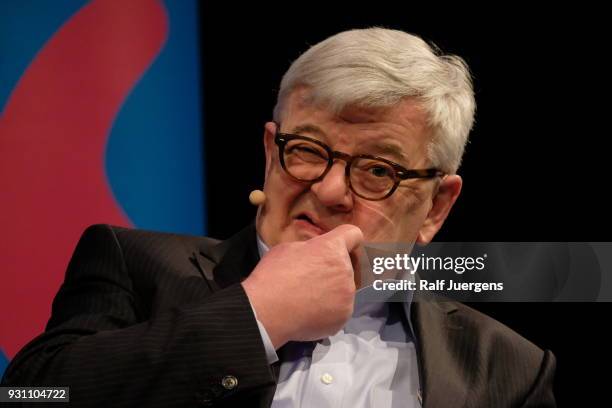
(308, 128)
(391, 150)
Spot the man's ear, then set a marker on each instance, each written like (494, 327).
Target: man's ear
(447, 192)
(269, 146)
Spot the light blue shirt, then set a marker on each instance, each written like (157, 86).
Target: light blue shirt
(371, 362)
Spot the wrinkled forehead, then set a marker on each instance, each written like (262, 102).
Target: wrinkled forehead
(300, 105)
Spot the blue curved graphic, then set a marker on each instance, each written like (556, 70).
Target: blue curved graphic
(25, 26)
(155, 151)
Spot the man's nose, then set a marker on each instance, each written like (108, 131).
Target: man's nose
(333, 190)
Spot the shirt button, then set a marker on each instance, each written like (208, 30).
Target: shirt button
(229, 382)
(327, 378)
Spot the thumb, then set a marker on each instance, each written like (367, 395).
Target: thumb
(350, 235)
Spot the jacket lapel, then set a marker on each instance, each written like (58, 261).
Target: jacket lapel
(229, 261)
(439, 344)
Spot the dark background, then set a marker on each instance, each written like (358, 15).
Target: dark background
(535, 167)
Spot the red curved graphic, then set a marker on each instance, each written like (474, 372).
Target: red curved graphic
(53, 135)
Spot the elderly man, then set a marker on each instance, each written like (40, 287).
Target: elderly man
(368, 133)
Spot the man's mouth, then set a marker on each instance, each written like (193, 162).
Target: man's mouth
(305, 218)
(307, 221)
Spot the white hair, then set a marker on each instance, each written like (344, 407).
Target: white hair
(378, 67)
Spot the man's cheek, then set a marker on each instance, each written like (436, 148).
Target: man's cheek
(282, 184)
(372, 216)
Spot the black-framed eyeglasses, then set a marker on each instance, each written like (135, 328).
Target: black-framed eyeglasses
(370, 177)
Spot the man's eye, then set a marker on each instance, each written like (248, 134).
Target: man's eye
(379, 171)
(305, 151)
(309, 150)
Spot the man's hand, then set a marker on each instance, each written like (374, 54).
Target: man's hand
(304, 291)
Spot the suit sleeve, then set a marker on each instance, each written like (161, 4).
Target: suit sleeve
(541, 394)
(101, 344)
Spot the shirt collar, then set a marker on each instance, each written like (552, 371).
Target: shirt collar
(262, 248)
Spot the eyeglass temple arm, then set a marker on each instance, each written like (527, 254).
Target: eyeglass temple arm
(420, 173)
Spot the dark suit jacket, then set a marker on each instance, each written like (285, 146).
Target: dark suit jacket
(148, 319)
